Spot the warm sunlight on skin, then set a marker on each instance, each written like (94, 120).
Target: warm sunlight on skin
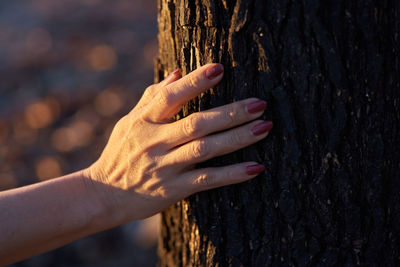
(147, 165)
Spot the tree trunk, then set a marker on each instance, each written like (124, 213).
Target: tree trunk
(329, 71)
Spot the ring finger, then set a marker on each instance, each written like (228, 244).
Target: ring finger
(211, 146)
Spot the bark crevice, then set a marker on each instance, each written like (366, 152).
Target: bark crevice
(329, 72)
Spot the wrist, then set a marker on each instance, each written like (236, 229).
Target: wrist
(102, 209)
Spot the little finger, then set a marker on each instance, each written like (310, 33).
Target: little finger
(209, 178)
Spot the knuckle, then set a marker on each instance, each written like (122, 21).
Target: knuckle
(193, 81)
(191, 126)
(121, 128)
(200, 149)
(166, 98)
(120, 123)
(163, 191)
(149, 92)
(150, 89)
(204, 179)
(235, 138)
(231, 115)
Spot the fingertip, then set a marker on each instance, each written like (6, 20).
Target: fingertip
(185, 88)
(261, 128)
(172, 77)
(214, 71)
(254, 169)
(247, 171)
(256, 106)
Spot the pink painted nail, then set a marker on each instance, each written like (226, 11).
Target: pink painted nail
(262, 127)
(214, 71)
(173, 74)
(257, 106)
(254, 169)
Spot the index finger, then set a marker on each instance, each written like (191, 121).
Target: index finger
(170, 99)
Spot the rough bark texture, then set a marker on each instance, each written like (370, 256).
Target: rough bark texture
(329, 71)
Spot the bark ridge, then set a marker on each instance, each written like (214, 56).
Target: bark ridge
(329, 71)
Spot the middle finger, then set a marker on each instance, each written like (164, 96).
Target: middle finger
(211, 146)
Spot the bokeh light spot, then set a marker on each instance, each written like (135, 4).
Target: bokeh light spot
(48, 167)
(78, 134)
(148, 231)
(64, 139)
(107, 103)
(39, 115)
(102, 58)
(83, 133)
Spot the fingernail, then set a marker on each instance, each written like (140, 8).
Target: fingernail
(257, 106)
(172, 73)
(214, 71)
(262, 127)
(254, 169)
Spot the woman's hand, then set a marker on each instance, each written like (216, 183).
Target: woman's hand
(148, 163)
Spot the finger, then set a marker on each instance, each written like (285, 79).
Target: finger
(148, 94)
(219, 144)
(172, 77)
(214, 120)
(170, 98)
(152, 90)
(209, 178)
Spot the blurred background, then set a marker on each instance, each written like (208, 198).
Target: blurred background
(69, 70)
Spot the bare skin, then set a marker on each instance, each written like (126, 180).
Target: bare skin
(147, 165)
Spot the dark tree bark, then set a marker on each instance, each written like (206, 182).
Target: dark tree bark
(329, 71)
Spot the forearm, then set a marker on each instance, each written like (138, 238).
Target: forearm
(146, 166)
(47, 215)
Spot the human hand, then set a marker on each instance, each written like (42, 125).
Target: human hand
(149, 161)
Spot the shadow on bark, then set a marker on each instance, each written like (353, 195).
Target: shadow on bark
(329, 73)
